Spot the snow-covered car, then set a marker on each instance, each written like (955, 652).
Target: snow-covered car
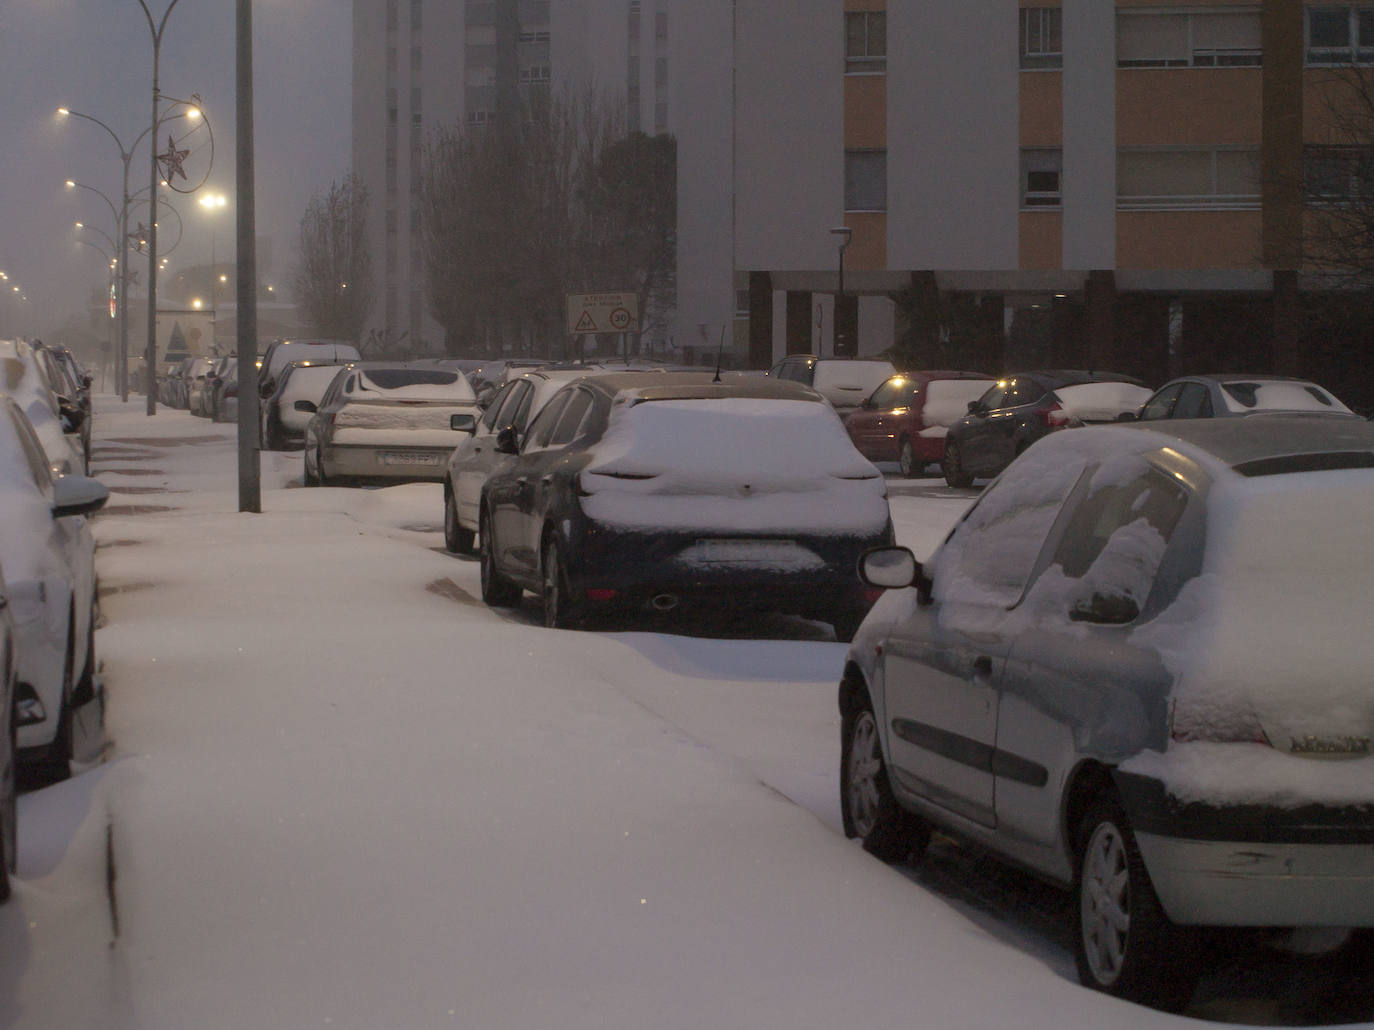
(391, 422)
(514, 405)
(281, 353)
(1237, 396)
(844, 382)
(281, 423)
(47, 554)
(71, 386)
(1133, 667)
(905, 420)
(196, 373)
(644, 491)
(1020, 409)
(24, 380)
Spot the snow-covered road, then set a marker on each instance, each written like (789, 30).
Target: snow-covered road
(341, 792)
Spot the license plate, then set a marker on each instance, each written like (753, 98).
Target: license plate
(409, 458)
(728, 550)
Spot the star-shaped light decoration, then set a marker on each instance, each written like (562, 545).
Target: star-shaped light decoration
(140, 237)
(172, 160)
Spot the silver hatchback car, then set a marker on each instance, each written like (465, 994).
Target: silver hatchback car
(1138, 667)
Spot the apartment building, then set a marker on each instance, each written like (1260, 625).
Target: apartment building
(1122, 181)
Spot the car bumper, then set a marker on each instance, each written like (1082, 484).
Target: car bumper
(640, 567)
(1254, 865)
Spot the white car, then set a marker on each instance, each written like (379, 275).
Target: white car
(24, 380)
(48, 555)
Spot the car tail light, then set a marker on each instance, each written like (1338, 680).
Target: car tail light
(600, 594)
(1216, 724)
(1055, 417)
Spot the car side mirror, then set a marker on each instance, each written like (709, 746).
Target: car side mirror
(975, 407)
(306, 406)
(507, 442)
(86, 381)
(464, 423)
(1106, 610)
(894, 568)
(77, 495)
(71, 415)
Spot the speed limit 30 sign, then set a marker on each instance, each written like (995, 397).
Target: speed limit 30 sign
(603, 313)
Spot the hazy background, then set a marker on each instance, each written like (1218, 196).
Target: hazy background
(95, 56)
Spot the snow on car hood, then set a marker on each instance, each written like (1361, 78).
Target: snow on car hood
(1269, 636)
(737, 464)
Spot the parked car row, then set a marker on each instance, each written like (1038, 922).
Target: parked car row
(51, 700)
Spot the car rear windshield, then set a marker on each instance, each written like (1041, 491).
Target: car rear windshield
(395, 378)
(1243, 396)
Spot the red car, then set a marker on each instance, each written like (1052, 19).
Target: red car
(905, 419)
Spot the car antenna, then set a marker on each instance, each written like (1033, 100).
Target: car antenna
(720, 350)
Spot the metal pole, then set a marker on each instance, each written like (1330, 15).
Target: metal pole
(122, 358)
(246, 275)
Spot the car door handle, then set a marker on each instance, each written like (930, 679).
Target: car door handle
(982, 667)
(546, 480)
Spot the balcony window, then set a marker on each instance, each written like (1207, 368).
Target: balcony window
(1042, 38)
(1195, 177)
(1155, 39)
(1041, 171)
(865, 42)
(1340, 35)
(865, 180)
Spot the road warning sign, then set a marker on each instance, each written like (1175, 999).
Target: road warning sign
(603, 313)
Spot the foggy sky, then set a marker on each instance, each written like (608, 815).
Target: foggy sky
(95, 56)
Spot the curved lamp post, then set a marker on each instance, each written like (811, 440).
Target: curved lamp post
(841, 318)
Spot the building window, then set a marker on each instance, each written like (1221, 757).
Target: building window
(480, 117)
(865, 41)
(1154, 39)
(1340, 35)
(534, 37)
(1041, 171)
(1212, 177)
(415, 15)
(1042, 37)
(1337, 174)
(539, 73)
(865, 180)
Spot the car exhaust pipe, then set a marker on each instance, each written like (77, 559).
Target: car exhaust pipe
(664, 603)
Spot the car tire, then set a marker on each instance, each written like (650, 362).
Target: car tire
(871, 812)
(952, 465)
(561, 611)
(9, 816)
(457, 539)
(56, 763)
(906, 458)
(497, 590)
(1124, 944)
(271, 435)
(308, 476)
(320, 478)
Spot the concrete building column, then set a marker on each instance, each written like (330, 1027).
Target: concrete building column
(760, 320)
(1285, 356)
(799, 322)
(846, 325)
(1099, 320)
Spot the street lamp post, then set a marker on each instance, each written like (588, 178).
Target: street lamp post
(840, 321)
(213, 203)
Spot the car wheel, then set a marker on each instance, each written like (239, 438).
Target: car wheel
(310, 477)
(560, 609)
(906, 458)
(456, 538)
(952, 464)
(9, 814)
(497, 590)
(870, 812)
(1124, 943)
(56, 763)
(320, 478)
(271, 436)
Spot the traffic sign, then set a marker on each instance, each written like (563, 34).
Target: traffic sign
(603, 313)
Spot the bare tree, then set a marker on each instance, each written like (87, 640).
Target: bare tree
(517, 216)
(333, 281)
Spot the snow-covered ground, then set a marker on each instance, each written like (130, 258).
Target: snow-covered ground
(341, 792)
